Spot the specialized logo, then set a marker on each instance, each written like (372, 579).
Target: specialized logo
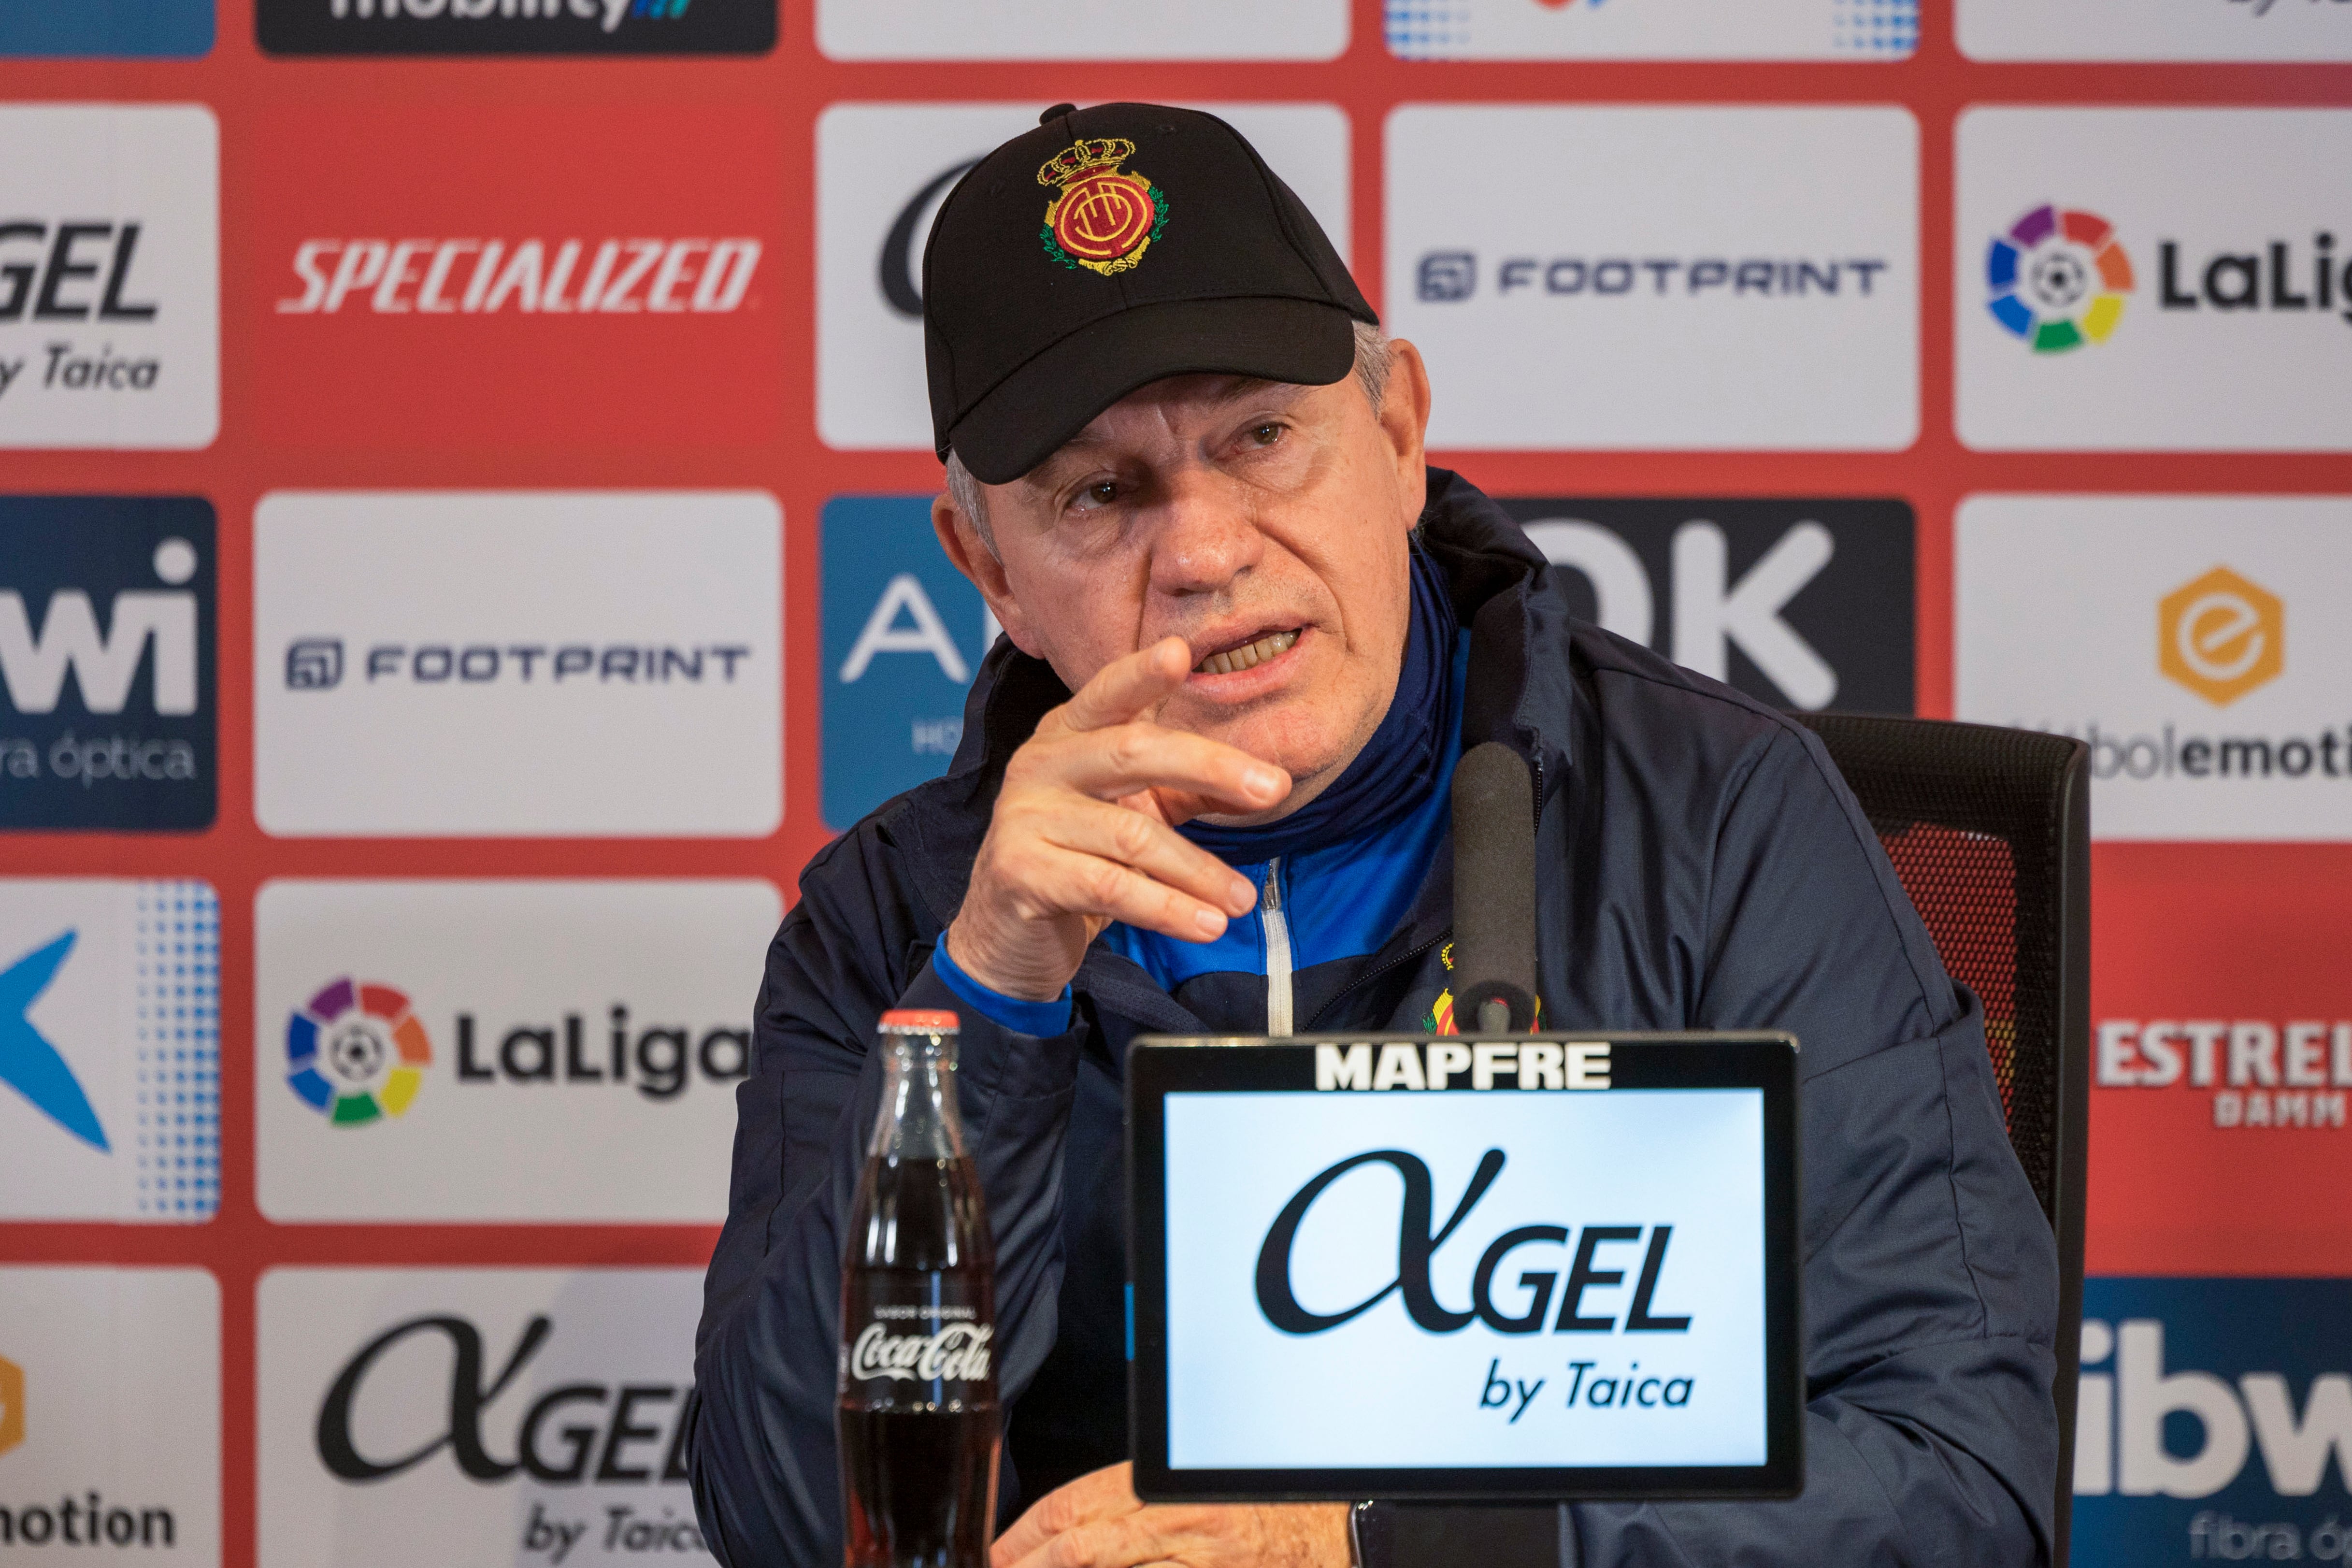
(695, 276)
(110, 331)
(12, 1405)
(2058, 278)
(2222, 636)
(29, 1064)
(355, 1054)
(1103, 219)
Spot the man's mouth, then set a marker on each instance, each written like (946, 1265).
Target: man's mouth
(1249, 654)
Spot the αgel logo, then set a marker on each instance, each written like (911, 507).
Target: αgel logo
(2222, 636)
(2057, 278)
(1416, 1245)
(109, 329)
(106, 662)
(641, 1438)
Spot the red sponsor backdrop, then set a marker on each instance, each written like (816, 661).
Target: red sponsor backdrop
(652, 149)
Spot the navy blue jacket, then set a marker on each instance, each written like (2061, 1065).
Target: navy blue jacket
(1701, 866)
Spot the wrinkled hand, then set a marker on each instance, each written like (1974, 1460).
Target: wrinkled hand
(1096, 1523)
(1084, 832)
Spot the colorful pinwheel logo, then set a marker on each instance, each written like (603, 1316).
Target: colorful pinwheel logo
(2058, 278)
(355, 1054)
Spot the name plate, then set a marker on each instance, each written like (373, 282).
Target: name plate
(1551, 1267)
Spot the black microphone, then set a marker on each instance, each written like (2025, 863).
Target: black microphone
(1493, 891)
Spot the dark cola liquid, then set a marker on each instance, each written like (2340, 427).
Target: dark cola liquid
(918, 1420)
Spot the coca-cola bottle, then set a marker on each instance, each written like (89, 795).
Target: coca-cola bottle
(916, 1416)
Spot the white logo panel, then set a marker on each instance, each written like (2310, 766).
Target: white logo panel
(1659, 279)
(1058, 30)
(882, 170)
(110, 1050)
(110, 1416)
(545, 664)
(110, 276)
(2198, 291)
(374, 1451)
(2133, 30)
(503, 1051)
(1653, 29)
(2191, 640)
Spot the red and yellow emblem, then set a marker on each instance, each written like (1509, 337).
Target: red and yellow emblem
(1101, 217)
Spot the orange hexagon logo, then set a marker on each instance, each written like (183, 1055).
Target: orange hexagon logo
(2222, 636)
(12, 1405)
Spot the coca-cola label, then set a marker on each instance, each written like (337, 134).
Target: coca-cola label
(926, 1337)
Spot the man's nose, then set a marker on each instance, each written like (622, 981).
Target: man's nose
(1203, 535)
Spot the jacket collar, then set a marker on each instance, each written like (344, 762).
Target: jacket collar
(1521, 691)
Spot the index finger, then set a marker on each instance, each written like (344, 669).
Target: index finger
(1107, 1493)
(1129, 687)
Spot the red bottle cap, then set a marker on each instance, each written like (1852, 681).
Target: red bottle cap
(923, 1020)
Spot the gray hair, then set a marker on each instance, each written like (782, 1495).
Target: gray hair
(1374, 359)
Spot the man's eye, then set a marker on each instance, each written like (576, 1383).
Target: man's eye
(1266, 435)
(1102, 493)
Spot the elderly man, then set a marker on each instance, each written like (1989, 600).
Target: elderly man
(1203, 790)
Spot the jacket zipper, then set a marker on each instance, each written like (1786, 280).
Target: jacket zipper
(1277, 954)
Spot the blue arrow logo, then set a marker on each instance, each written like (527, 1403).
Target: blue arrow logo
(29, 1064)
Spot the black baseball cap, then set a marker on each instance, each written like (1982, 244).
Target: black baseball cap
(1104, 250)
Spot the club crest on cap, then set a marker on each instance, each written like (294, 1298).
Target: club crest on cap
(1102, 217)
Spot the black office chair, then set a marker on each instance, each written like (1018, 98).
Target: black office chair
(1989, 831)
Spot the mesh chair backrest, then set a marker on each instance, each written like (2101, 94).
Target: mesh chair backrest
(1976, 821)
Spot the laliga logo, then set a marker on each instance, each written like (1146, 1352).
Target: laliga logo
(355, 1054)
(2220, 635)
(2058, 278)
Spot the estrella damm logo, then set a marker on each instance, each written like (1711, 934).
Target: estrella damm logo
(1103, 219)
(355, 1053)
(2058, 278)
(12, 1405)
(2222, 636)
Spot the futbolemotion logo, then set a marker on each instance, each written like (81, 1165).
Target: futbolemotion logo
(2057, 278)
(1102, 217)
(12, 1405)
(2222, 636)
(355, 1053)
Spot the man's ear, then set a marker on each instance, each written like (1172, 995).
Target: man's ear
(961, 539)
(1404, 420)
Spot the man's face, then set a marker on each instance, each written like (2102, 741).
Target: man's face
(1264, 524)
